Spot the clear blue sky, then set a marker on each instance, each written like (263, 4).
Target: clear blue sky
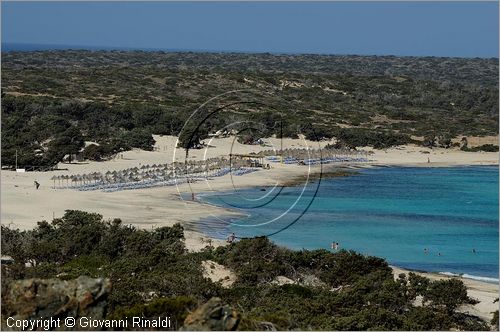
(383, 28)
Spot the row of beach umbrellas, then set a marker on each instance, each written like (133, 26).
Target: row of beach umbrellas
(192, 170)
(150, 173)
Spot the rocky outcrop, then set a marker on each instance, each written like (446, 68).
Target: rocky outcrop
(35, 298)
(281, 280)
(212, 316)
(303, 279)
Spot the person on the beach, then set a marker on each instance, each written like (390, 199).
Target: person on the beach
(335, 245)
(231, 238)
(37, 185)
(428, 160)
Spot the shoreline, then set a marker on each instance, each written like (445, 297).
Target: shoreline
(485, 291)
(238, 214)
(339, 171)
(23, 206)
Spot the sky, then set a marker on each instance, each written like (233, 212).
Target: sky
(459, 29)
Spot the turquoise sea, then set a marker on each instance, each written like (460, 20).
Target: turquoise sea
(394, 213)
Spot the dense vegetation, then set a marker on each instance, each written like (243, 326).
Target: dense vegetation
(154, 275)
(449, 70)
(118, 99)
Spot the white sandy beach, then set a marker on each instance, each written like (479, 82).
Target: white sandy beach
(22, 205)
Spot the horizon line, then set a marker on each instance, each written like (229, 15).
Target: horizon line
(67, 47)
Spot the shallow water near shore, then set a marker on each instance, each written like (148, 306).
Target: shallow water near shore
(394, 213)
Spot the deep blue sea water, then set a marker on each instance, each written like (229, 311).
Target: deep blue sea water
(392, 213)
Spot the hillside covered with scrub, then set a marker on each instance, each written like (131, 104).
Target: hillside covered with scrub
(53, 101)
(151, 273)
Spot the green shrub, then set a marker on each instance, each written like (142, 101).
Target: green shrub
(95, 152)
(494, 320)
(154, 276)
(485, 148)
(448, 294)
(357, 137)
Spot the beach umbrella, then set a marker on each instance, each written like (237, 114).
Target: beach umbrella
(95, 177)
(54, 179)
(65, 177)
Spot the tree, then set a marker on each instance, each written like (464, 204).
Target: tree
(464, 143)
(249, 136)
(429, 141)
(445, 141)
(68, 143)
(417, 285)
(316, 133)
(191, 136)
(449, 294)
(138, 138)
(94, 152)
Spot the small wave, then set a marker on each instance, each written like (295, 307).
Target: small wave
(449, 274)
(469, 276)
(214, 194)
(487, 279)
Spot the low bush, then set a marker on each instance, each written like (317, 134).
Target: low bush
(153, 275)
(484, 147)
